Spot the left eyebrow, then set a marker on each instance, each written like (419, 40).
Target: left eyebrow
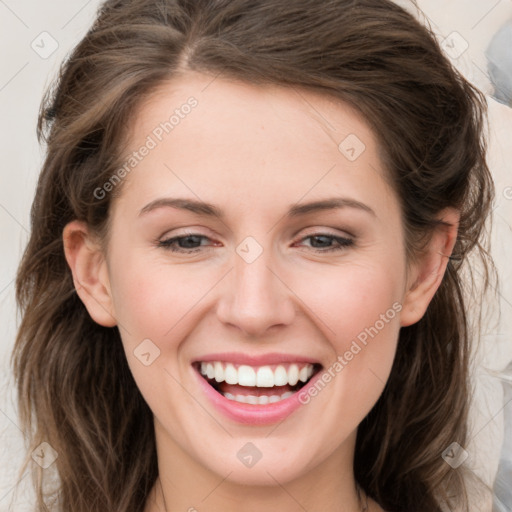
(210, 210)
(198, 207)
(328, 204)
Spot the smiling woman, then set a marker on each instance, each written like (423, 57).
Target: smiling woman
(266, 311)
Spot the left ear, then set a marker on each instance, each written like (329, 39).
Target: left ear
(427, 273)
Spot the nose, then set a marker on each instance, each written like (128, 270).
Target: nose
(255, 297)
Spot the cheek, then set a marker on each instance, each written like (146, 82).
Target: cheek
(346, 298)
(350, 298)
(359, 310)
(151, 300)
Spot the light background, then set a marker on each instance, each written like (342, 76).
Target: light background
(23, 77)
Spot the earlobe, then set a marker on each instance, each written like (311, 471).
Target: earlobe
(429, 271)
(89, 269)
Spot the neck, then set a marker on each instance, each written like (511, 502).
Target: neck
(184, 484)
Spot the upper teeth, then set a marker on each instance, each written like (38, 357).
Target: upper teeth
(263, 376)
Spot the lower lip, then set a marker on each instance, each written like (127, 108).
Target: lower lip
(256, 414)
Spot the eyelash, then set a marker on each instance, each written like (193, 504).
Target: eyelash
(342, 241)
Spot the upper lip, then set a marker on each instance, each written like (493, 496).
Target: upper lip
(256, 360)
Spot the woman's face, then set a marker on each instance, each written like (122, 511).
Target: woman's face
(267, 286)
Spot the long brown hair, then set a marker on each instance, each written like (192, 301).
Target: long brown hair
(75, 389)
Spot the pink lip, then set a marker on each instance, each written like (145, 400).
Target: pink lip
(250, 414)
(255, 360)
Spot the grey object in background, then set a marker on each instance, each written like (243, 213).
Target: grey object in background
(503, 481)
(499, 56)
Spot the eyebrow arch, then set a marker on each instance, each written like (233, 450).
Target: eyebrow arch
(328, 204)
(207, 209)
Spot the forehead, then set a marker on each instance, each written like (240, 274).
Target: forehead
(221, 103)
(253, 146)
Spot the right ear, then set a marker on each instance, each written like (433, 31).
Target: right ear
(90, 274)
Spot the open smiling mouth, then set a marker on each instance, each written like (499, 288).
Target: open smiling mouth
(256, 385)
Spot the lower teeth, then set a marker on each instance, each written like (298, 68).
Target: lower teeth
(257, 400)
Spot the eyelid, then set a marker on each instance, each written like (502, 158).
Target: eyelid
(343, 233)
(316, 230)
(188, 230)
(342, 243)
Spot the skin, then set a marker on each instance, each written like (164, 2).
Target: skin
(254, 151)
